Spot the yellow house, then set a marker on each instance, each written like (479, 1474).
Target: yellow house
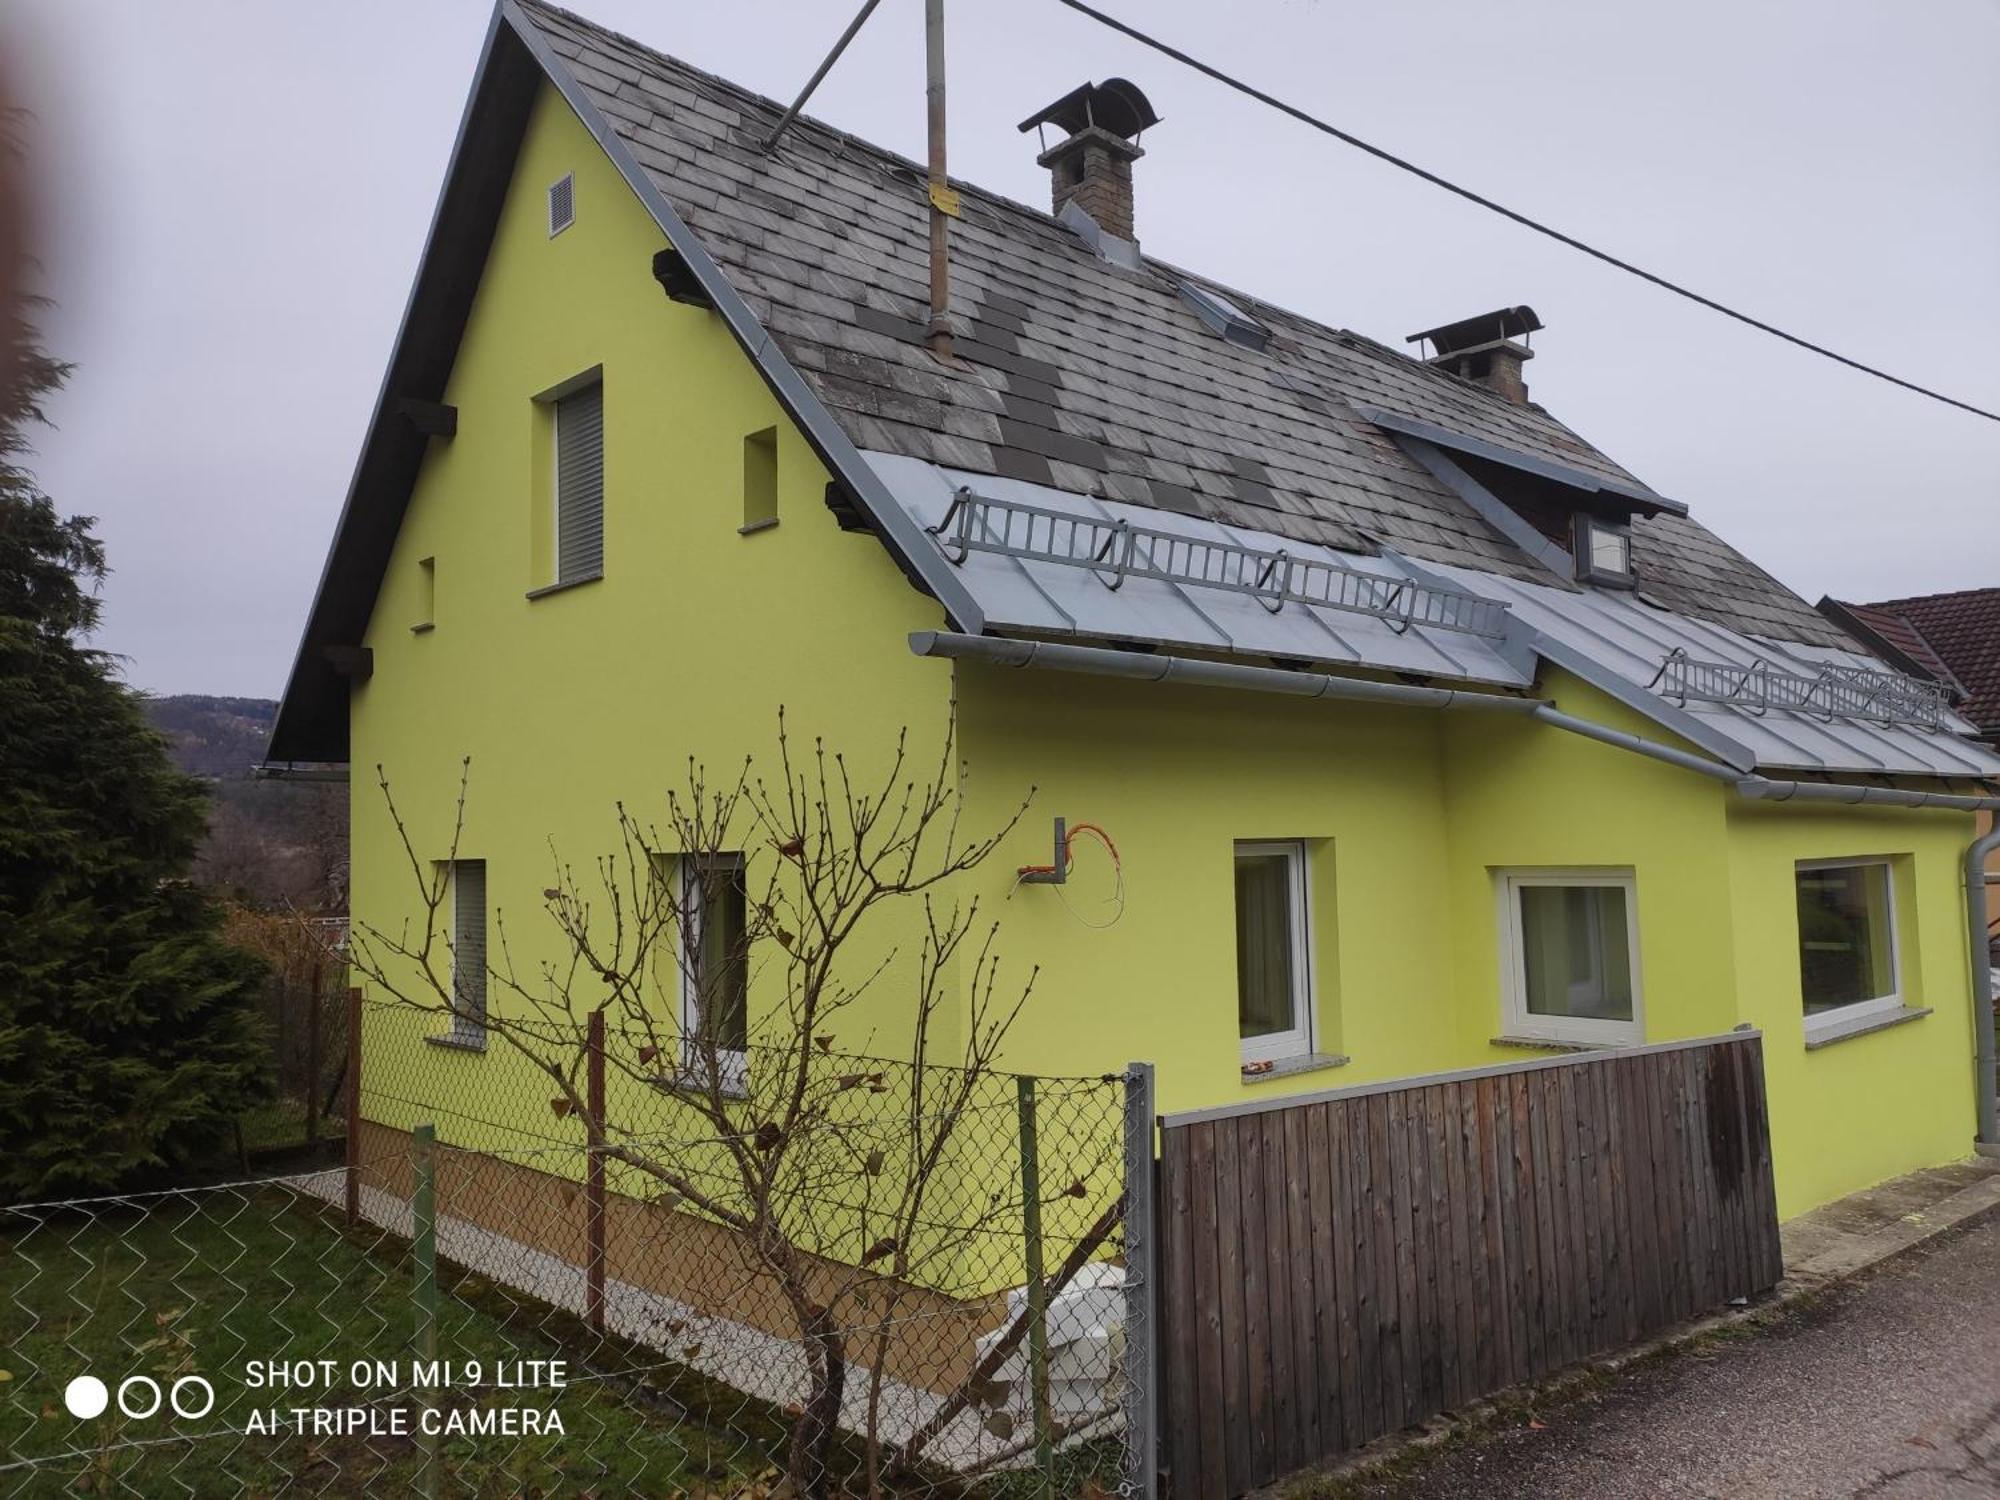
(1418, 731)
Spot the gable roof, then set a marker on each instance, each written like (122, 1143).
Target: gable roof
(1070, 372)
(1079, 374)
(1955, 638)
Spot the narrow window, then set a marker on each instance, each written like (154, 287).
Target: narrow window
(1570, 948)
(760, 480)
(579, 444)
(715, 967)
(468, 951)
(1273, 975)
(426, 595)
(1847, 942)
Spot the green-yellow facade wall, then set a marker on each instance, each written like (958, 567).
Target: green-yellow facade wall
(695, 635)
(687, 647)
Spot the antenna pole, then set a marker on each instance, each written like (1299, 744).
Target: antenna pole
(938, 334)
(867, 9)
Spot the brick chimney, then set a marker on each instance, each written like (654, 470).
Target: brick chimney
(1093, 170)
(1092, 165)
(1484, 349)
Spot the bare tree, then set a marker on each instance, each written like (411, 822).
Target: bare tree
(830, 1172)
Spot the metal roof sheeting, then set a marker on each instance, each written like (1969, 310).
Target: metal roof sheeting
(1043, 596)
(1619, 643)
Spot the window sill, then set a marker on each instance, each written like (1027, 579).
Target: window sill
(424, 628)
(568, 583)
(1841, 1031)
(1291, 1067)
(751, 528)
(688, 1083)
(458, 1043)
(1549, 1044)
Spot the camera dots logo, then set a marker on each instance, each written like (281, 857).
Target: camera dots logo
(139, 1397)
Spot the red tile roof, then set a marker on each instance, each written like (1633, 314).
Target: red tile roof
(1960, 632)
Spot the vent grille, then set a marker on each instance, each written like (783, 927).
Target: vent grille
(562, 204)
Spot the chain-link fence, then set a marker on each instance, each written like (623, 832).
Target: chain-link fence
(304, 1021)
(897, 1280)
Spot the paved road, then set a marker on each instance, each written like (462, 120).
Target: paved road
(1888, 1389)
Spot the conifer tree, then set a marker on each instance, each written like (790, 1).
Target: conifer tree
(128, 1033)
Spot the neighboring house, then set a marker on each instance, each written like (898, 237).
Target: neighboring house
(1424, 731)
(1954, 640)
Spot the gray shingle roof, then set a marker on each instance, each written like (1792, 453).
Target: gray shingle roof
(1074, 373)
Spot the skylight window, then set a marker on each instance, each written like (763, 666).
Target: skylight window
(1223, 316)
(1603, 551)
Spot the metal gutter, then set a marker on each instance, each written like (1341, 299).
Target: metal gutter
(1156, 667)
(1150, 666)
(270, 771)
(1696, 729)
(1548, 713)
(908, 543)
(1976, 880)
(1850, 794)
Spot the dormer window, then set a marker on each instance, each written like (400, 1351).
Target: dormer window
(1603, 551)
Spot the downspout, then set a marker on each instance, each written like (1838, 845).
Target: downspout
(1982, 981)
(1151, 666)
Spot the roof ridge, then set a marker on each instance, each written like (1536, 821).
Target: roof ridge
(1983, 591)
(1365, 344)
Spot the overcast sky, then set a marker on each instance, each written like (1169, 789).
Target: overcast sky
(238, 191)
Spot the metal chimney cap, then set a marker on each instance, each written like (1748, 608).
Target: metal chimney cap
(1487, 328)
(1116, 105)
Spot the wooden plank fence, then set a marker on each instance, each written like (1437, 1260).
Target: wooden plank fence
(1340, 1266)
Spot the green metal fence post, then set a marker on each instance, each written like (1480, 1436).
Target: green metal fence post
(1037, 1292)
(423, 1250)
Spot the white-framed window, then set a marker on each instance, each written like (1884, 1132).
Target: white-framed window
(1273, 952)
(467, 881)
(715, 967)
(1848, 964)
(1569, 956)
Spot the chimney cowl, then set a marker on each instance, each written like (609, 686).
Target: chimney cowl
(1482, 349)
(1115, 105)
(1091, 167)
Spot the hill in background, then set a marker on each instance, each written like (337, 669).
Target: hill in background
(222, 737)
(272, 844)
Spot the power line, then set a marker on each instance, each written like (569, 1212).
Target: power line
(1252, 91)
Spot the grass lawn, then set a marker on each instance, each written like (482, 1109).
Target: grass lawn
(204, 1282)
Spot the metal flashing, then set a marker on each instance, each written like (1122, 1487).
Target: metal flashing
(1616, 641)
(1502, 517)
(1644, 501)
(1224, 317)
(1118, 549)
(309, 671)
(1028, 553)
(828, 440)
(1106, 246)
